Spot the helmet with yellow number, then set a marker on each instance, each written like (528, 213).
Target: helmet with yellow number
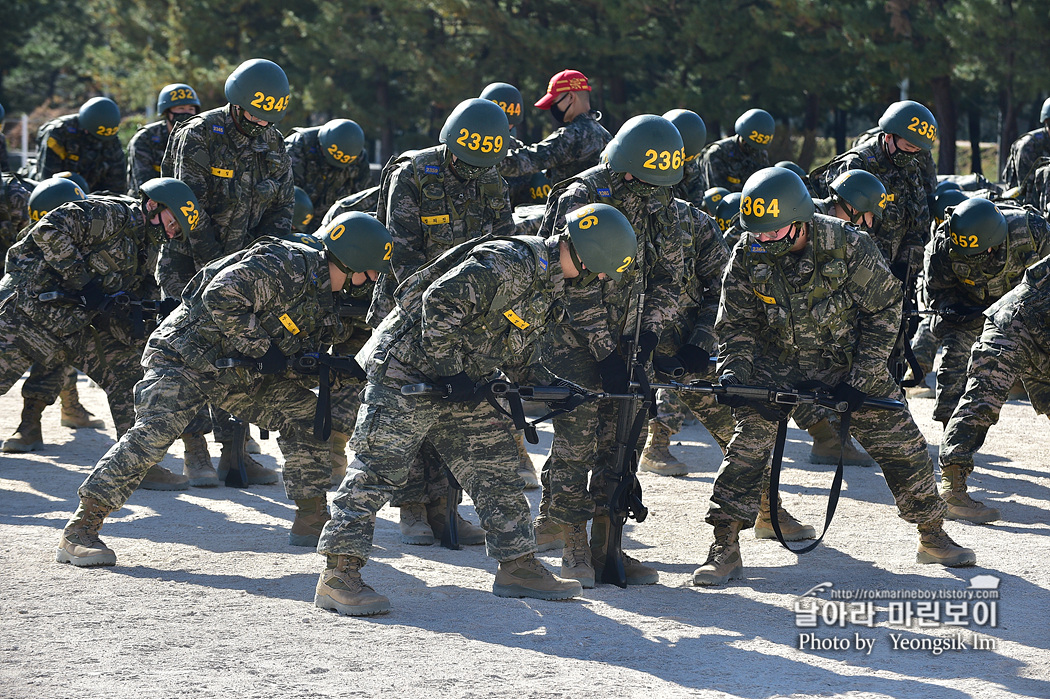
(477, 132)
(650, 148)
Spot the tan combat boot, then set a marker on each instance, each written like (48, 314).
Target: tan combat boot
(791, 528)
(158, 478)
(196, 462)
(723, 559)
(935, 546)
(257, 473)
(549, 534)
(337, 447)
(27, 437)
(637, 573)
(827, 444)
(526, 577)
(656, 456)
(415, 529)
(341, 589)
(80, 544)
(960, 504)
(74, 414)
(922, 390)
(251, 446)
(576, 556)
(310, 517)
(467, 533)
(526, 469)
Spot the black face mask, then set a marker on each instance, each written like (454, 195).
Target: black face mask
(174, 119)
(902, 158)
(466, 171)
(642, 189)
(155, 232)
(558, 114)
(248, 128)
(779, 248)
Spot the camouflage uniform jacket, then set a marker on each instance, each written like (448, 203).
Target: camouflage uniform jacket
(274, 291)
(982, 279)
(145, 153)
(834, 304)
(99, 240)
(1037, 191)
(924, 159)
(365, 200)
(1027, 303)
(323, 182)
(5, 166)
(244, 186)
(727, 164)
(485, 314)
(600, 310)
(706, 258)
(571, 149)
(62, 145)
(1024, 154)
(14, 210)
(901, 235)
(691, 188)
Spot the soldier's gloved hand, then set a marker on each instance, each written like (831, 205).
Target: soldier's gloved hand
(647, 342)
(93, 295)
(458, 387)
(613, 371)
(669, 366)
(728, 379)
(694, 359)
(274, 361)
(854, 397)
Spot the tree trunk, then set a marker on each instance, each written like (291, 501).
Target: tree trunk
(809, 132)
(944, 106)
(840, 131)
(975, 140)
(1007, 125)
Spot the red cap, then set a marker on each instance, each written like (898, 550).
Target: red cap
(565, 81)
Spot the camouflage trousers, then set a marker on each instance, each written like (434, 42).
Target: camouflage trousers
(472, 441)
(997, 360)
(956, 339)
(44, 383)
(112, 364)
(670, 411)
(169, 396)
(891, 438)
(925, 345)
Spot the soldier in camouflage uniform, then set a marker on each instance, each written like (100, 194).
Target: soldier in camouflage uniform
(587, 349)
(1014, 344)
(453, 328)
(1027, 151)
(434, 199)
(806, 297)
(1037, 188)
(176, 103)
(730, 161)
(692, 188)
(258, 307)
(93, 255)
(85, 143)
(572, 148)
(329, 162)
(14, 210)
(233, 158)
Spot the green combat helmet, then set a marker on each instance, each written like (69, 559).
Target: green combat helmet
(303, 212)
(507, 97)
(175, 196)
(755, 127)
(974, 226)
(1044, 113)
(2, 114)
(176, 95)
(357, 242)
(477, 132)
(100, 117)
(260, 88)
(863, 191)
(794, 167)
(51, 194)
(77, 178)
(911, 121)
(771, 199)
(650, 148)
(946, 200)
(342, 141)
(727, 210)
(602, 239)
(692, 128)
(944, 186)
(713, 197)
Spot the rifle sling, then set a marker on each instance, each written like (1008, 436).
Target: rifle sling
(323, 411)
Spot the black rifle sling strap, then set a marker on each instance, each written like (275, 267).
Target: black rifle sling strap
(323, 412)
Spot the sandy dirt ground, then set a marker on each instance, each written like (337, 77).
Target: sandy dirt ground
(209, 600)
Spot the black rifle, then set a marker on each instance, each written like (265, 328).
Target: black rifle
(902, 357)
(129, 306)
(237, 476)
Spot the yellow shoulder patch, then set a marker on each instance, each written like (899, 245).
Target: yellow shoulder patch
(287, 322)
(515, 319)
(767, 299)
(57, 148)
